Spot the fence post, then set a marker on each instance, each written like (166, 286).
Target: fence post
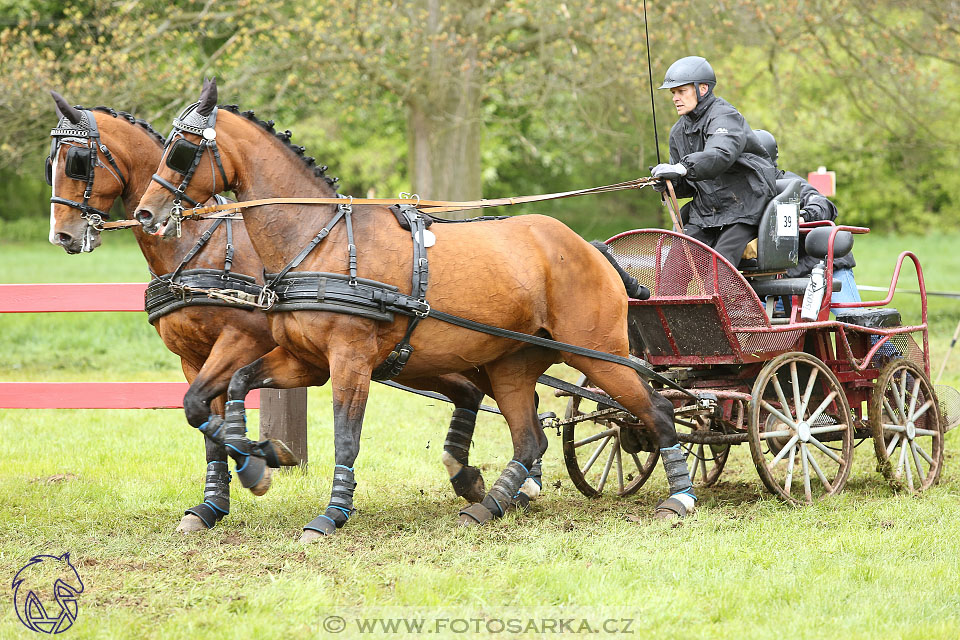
(283, 415)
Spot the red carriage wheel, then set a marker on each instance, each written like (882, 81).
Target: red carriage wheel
(592, 453)
(800, 429)
(907, 426)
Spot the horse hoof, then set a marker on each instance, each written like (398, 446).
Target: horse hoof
(475, 515)
(671, 509)
(469, 485)
(191, 524)
(310, 536)
(284, 455)
(261, 487)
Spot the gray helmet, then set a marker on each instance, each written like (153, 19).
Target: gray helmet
(769, 144)
(689, 70)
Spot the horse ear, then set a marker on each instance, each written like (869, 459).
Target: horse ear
(208, 97)
(64, 110)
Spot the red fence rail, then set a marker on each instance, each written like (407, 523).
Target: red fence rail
(50, 298)
(283, 413)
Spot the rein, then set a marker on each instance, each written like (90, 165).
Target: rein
(423, 206)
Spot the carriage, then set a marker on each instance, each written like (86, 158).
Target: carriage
(800, 392)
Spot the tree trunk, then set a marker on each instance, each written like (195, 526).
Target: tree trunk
(445, 122)
(445, 148)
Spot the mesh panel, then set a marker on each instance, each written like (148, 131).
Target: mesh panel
(949, 400)
(901, 345)
(672, 265)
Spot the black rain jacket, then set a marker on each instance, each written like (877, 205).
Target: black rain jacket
(729, 175)
(815, 207)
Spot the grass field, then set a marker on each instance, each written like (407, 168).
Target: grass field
(110, 486)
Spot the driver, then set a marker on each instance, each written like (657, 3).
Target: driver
(716, 159)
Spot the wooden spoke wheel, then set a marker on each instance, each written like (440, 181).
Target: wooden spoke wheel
(907, 426)
(591, 450)
(705, 461)
(800, 429)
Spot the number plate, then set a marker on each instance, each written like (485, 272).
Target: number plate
(787, 215)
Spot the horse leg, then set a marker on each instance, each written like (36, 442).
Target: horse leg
(205, 399)
(216, 490)
(351, 386)
(513, 379)
(467, 481)
(279, 369)
(232, 350)
(656, 412)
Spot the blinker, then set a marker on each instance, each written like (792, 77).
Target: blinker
(181, 156)
(79, 164)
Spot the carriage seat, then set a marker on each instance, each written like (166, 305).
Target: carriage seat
(815, 245)
(871, 318)
(778, 247)
(784, 286)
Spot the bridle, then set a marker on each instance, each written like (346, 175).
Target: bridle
(81, 163)
(184, 156)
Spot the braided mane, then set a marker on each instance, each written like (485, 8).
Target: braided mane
(284, 137)
(132, 120)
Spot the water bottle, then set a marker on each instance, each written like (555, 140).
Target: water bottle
(813, 296)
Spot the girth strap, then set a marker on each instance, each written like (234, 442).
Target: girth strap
(397, 359)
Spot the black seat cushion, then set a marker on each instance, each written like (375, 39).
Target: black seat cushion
(784, 286)
(872, 318)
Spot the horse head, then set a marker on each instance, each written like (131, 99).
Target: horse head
(94, 159)
(217, 148)
(193, 167)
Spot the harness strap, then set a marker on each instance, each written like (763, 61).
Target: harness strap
(351, 247)
(556, 345)
(196, 248)
(397, 359)
(228, 256)
(172, 189)
(323, 233)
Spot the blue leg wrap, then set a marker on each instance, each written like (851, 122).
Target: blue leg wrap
(341, 502)
(460, 434)
(505, 492)
(216, 494)
(675, 466)
(536, 472)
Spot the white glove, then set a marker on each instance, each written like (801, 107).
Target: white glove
(666, 171)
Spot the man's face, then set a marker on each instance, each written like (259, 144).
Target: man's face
(685, 98)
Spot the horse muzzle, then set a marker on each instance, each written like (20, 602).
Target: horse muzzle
(74, 244)
(154, 224)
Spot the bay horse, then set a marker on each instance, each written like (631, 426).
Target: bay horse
(211, 341)
(530, 274)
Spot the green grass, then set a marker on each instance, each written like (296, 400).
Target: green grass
(110, 486)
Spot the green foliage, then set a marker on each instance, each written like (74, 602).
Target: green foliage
(560, 91)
